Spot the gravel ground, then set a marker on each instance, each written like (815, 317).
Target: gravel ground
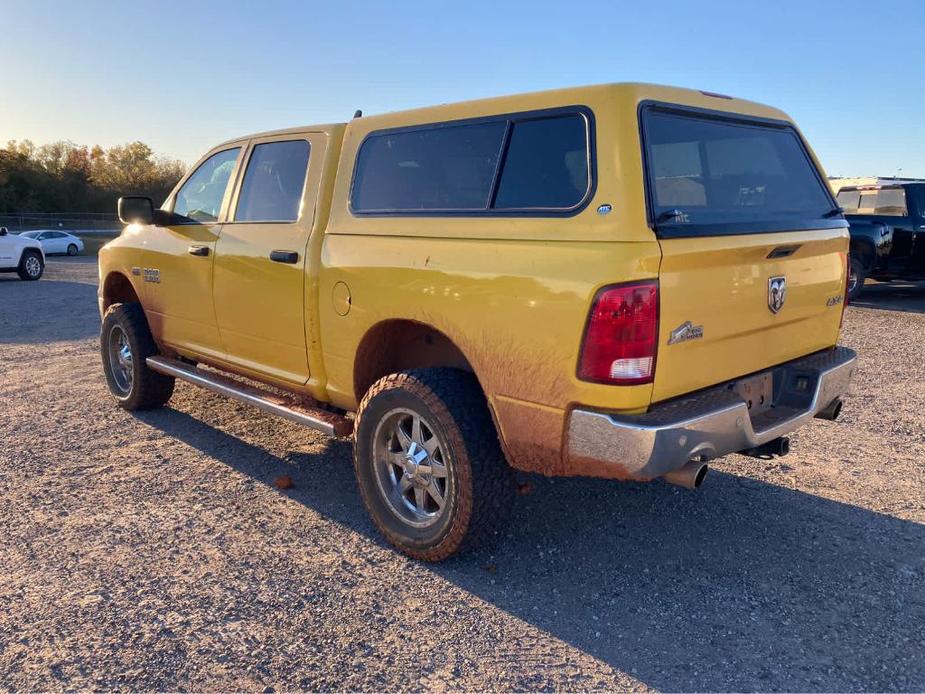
(153, 552)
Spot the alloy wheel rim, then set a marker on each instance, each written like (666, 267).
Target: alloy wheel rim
(411, 469)
(33, 266)
(121, 360)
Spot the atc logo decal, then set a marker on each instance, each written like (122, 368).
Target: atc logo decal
(777, 293)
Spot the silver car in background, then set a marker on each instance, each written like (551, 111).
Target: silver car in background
(53, 242)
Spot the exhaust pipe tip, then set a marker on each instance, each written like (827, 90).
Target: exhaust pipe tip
(701, 475)
(832, 411)
(689, 476)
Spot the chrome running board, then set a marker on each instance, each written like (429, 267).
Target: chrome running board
(326, 422)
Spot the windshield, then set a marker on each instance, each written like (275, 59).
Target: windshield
(705, 170)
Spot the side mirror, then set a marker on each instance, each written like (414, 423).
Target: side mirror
(136, 209)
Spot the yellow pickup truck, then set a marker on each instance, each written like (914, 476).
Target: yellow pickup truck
(620, 281)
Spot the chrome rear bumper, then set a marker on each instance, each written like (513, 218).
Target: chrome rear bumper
(710, 423)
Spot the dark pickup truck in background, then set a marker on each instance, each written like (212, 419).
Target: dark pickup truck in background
(887, 232)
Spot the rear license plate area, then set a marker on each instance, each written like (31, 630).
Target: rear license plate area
(756, 391)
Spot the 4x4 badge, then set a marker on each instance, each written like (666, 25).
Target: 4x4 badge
(777, 293)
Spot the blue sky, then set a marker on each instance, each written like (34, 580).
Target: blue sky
(183, 76)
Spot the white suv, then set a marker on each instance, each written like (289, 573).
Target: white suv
(21, 255)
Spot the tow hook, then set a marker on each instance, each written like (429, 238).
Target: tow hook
(774, 448)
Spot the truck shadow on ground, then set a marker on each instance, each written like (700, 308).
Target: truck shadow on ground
(893, 296)
(744, 585)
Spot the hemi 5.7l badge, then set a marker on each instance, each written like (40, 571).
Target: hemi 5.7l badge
(152, 274)
(684, 332)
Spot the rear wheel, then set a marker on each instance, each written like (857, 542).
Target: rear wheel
(856, 276)
(428, 463)
(125, 344)
(72, 249)
(31, 265)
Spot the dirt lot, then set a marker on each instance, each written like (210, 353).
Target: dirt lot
(153, 552)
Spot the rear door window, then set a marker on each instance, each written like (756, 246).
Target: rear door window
(273, 182)
(712, 175)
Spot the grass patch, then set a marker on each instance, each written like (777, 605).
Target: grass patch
(94, 242)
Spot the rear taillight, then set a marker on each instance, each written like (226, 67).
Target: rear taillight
(621, 337)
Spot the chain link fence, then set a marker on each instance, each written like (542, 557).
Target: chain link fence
(61, 221)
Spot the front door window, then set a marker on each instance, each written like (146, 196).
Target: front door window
(200, 198)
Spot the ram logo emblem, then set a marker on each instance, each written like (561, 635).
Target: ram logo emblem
(777, 293)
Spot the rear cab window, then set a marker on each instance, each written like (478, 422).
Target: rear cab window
(527, 163)
(712, 174)
(886, 202)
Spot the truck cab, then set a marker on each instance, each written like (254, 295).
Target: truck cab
(620, 281)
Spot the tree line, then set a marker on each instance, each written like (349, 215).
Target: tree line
(66, 177)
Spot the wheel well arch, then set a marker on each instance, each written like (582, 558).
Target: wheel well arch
(118, 289)
(400, 344)
(31, 249)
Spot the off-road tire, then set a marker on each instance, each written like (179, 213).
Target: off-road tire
(483, 488)
(857, 266)
(72, 249)
(148, 389)
(23, 272)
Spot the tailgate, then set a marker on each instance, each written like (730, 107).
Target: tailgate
(754, 247)
(753, 301)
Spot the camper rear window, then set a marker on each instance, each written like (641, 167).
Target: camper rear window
(707, 175)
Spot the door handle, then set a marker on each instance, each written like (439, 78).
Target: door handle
(198, 250)
(284, 257)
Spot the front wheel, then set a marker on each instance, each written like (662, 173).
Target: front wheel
(72, 249)
(429, 465)
(31, 266)
(125, 344)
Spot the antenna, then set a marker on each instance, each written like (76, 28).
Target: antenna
(358, 113)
